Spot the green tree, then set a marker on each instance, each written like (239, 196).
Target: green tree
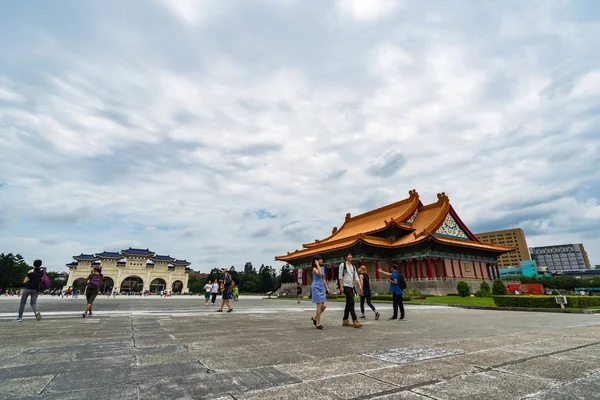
(463, 289)
(196, 285)
(498, 288)
(287, 274)
(13, 270)
(268, 279)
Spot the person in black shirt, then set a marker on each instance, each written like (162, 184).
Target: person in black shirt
(227, 291)
(366, 296)
(298, 292)
(31, 282)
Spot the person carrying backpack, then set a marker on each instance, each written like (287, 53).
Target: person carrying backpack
(227, 291)
(32, 288)
(93, 287)
(347, 275)
(397, 286)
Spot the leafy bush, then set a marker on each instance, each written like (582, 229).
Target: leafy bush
(463, 289)
(484, 290)
(546, 301)
(411, 293)
(498, 288)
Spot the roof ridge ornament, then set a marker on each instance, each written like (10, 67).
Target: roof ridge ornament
(413, 193)
(334, 230)
(348, 216)
(442, 198)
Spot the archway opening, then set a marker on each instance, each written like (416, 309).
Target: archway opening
(157, 285)
(132, 285)
(107, 284)
(80, 284)
(177, 286)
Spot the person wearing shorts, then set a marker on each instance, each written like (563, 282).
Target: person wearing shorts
(207, 292)
(92, 292)
(227, 291)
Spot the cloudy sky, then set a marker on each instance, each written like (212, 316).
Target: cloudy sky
(232, 131)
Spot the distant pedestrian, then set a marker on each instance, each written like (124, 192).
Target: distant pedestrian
(207, 292)
(319, 290)
(366, 296)
(227, 290)
(236, 293)
(347, 275)
(394, 279)
(298, 292)
(31, 281)
(93, 287)
(215, 291)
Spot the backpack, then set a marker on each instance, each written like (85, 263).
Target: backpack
(95, 282)
(44, 282)
(401, 282)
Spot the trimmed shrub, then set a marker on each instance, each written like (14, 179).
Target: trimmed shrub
(411, 293)
(387, 297)
(484, 290)
(463, 289)
(546, 301)
(498, 288)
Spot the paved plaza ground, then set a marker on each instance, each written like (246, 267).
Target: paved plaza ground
(152, 348)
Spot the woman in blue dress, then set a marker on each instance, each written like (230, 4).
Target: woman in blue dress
(319, 290)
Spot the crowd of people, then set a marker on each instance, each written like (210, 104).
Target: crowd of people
(226, 287)
(349, 278)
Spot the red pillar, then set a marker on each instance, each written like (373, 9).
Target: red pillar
(460, 268)
(497, 271)
(295, 280)
(452, 265)
(376, 269)
(362, 262)
(428, 263)
(481, 269)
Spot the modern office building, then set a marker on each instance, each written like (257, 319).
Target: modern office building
(525, 268)
(510, 238)
(562, 257)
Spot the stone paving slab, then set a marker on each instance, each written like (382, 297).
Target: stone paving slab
(270, 350)
(486, 385)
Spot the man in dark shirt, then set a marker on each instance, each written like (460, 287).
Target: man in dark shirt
(299, 292)
(31, 282)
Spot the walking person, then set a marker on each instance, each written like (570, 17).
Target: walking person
(227, 291)
(298, 292)
(236, 293)
(31, 281)
(214, 292)
(366, 295)
(347, 275)
(93, 287)
(207, 292)
(395, 280)
(319, 290)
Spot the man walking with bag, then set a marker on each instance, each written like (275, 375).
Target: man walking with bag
(347, 275)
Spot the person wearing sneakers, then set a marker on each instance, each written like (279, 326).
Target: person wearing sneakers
(319, 290)
(394, 280)
(31, 281)
(93, 287)
(366, 296)
(207, 292)
(347, 275)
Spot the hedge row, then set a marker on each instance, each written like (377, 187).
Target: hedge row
(387, 297)
(546, 301)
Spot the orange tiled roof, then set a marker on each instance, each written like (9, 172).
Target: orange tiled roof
(428, 219)
(374, 221)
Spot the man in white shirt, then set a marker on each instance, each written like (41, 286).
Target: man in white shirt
(347, 275)
(207, 292)
(215, 291)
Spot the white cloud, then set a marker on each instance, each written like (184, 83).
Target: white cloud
(368, 10)
(178, 147)
(193, 12)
